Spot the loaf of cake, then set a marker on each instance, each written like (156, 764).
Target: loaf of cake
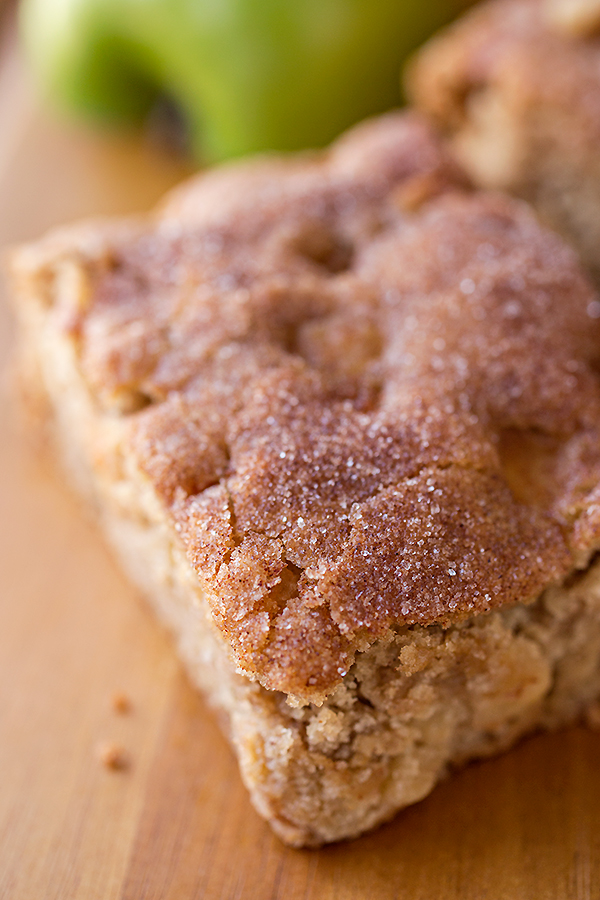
(339, 417)
(515, 85)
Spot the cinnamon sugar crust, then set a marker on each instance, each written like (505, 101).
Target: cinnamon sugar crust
(364, 396)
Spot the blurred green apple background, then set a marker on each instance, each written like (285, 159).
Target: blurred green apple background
(246, 75)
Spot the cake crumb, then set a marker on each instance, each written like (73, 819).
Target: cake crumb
(113, 756)
(121, 703)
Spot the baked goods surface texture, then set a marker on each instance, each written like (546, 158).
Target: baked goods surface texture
(332, 411)
(515, 84)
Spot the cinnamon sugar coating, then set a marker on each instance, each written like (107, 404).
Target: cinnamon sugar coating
(366, 396)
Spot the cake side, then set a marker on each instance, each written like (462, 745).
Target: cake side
(515, 85)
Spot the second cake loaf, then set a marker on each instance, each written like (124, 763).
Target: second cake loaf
(515, 85)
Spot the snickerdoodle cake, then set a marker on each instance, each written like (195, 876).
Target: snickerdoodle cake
(516, 86)
(339, 416)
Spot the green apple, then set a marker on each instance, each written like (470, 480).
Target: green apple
(247, 75)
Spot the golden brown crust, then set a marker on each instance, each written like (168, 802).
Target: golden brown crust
(360, 409)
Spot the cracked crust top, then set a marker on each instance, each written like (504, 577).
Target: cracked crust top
(365, 396)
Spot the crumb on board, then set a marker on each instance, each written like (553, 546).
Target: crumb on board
(121, 703)
(113, 756)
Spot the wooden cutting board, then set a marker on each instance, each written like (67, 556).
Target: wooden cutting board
(176, 822)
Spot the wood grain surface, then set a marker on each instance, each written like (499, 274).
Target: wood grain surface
(176, 822)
